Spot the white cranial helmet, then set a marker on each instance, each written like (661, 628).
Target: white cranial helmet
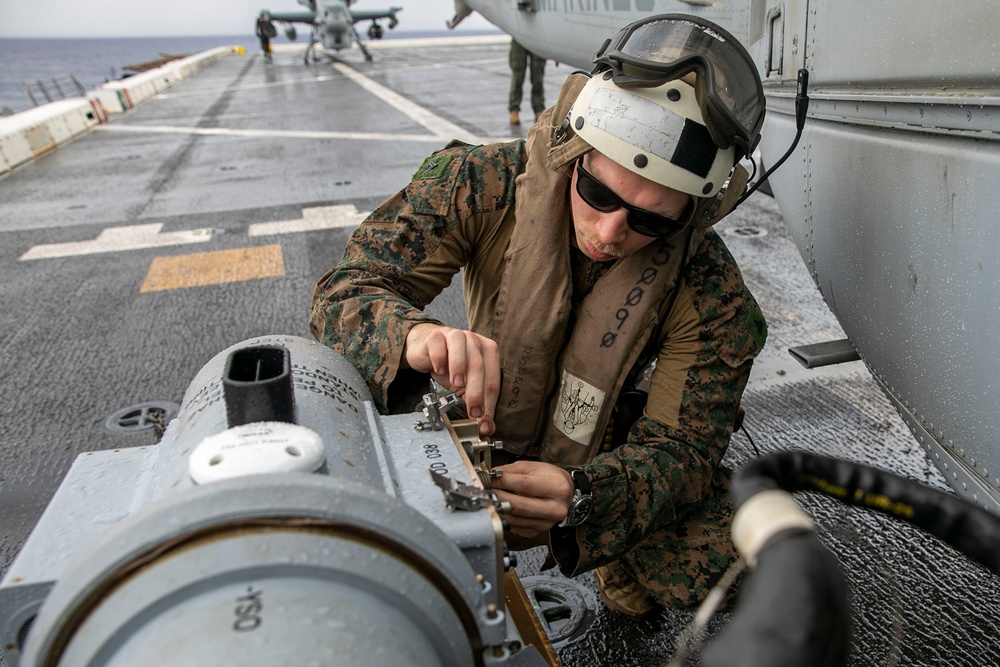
(657, 132)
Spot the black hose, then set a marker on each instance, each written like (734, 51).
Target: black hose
(965, 526)
(792, 610)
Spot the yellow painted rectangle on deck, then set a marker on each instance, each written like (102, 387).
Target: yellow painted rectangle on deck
(213, 268)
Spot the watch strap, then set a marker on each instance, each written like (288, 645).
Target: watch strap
(582, 503)
(581, 480)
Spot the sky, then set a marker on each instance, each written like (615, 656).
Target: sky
(147, 18)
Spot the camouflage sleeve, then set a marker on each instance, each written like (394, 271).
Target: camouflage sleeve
(401, 257)
(714, 331)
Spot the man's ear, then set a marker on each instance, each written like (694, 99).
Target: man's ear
(725, 201)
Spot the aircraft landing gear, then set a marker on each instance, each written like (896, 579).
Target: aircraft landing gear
(361, 45)
(364, 50)
(309, 48)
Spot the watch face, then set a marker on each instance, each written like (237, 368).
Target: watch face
(580, 511)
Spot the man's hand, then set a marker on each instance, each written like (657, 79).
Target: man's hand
(463, 362)
(541, 494)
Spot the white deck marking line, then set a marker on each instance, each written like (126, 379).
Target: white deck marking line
(117, 239)
(137, 237)
(439, 126)
(441, 129)
(313, 219)
(283, 134)
(326, 77)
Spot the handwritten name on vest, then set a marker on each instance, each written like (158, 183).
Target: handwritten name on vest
(519, 378)
(635, 295)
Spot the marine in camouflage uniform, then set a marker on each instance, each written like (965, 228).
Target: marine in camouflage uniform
(518, 59)
(661, 512)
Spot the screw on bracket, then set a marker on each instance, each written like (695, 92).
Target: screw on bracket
(434, 410)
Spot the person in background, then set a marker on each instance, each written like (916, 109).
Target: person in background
(610, 333)
(265, 32)
(518, 60)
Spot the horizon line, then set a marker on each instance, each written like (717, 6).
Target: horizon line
(459, 31)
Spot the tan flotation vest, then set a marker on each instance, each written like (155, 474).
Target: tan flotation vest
(562, 376)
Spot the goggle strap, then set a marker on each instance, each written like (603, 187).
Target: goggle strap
(720, 136)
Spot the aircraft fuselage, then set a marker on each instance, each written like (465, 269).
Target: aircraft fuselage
(334, 26)
(890, 194)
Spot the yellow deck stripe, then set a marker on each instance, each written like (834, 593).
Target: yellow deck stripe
(213, 268)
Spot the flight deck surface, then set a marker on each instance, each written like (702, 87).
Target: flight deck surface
(204, 217)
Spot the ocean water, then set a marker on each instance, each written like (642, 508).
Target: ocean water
(94, 61)
(91, 61)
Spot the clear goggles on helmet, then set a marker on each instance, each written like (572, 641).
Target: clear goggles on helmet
(667, 47)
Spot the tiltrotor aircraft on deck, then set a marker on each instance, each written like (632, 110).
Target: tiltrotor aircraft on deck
(332, 24)
(890, 194)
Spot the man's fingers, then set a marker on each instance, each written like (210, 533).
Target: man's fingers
(491, 378)
(544, 511)
(529, 527)
(483, 377)
(464, 362)
(458, 357)
(524, 520)
(537, 479)
(436, 348)
(425, 348)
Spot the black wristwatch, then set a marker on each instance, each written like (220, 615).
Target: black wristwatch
(583, 502)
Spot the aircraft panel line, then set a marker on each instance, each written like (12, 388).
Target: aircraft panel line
(978, 118)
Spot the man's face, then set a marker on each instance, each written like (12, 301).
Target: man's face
(605, 236)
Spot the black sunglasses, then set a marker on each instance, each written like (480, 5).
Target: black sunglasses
(601, 198)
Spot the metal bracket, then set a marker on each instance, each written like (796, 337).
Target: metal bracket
(775, 42)
(458, 496)
(434, 410)
(825, 354)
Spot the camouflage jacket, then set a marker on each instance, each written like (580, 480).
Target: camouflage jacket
(457, 213)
